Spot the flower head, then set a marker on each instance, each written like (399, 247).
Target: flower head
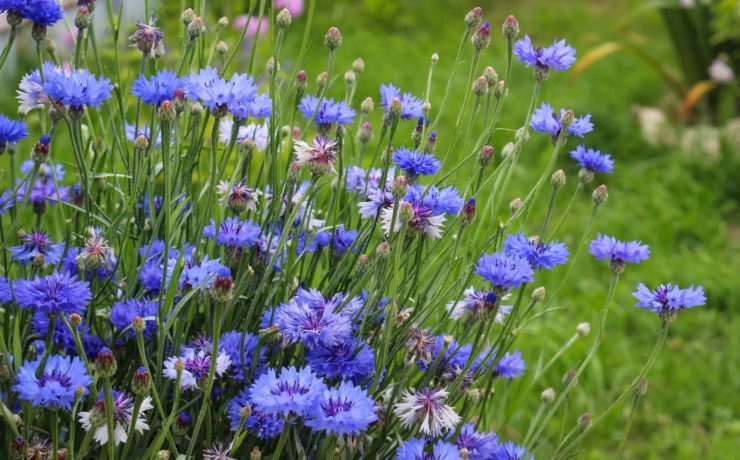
(477, 303)
(11, 131)
(158, 88)
(31, 94)
(411, 107)
(299, 321)
(558, 56)
(510, 366)
(326, 113)
(148, 39)
(292, 391)
(511, 451)
(479, 446)
(53, 294)
(429, 408)
(233, 232)
(593, 160)
(544, 120)
(196, 366)
(123, 411)
(240, 347)
(258, 423)
(350, 360)
(6, 290)
(428, 210)
(415, 163)
(537, 253)
(122, 315)
(76, 88)
(56, 384)
(608, 248)
(42, 12)
(37, 244)
(504, 271)
(320, 156)
(421, 449)
(251, 133)
(346, 410)
(669, 298)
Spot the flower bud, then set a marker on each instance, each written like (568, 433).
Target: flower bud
(515, 204)
(105, 363)
(467, 212)
(395, 109)
(558, 179)
(82, 19)
(333, 38)
(196, 109)
(585, 176)
(196, 28)
(569, 377)
(642, 387)
(583, 329)
(294, 172)
(507, 150)
(162, 455)
(474, 18)
(138, 324)
(367, 105)
(464, 453)
(272, 66)
(167, 112)
(284, 18)
(223, 22)
(435, 58)
(141, 144)
(480, 86)
(41, 149)
(584, 422)
(601, 194)
(499, 89)
(19, 448)
(223, 287)
(142, 382)
(547, 396)
(482, 37)
(383, 250)
(541, 72)
(366, 132)
(14, 18)
(431, 142)
(187, 16)
(38, 32)
(491, 76)
(256, 454)
(486, 155)
(349, 77)
(406, 212)
(538, 295)
(617, 266)
(222, 48)
(358, 65)
(510, 28)
(566, 121)
(400, 187)
(426, 107)
(75, 319)
(321, 81)
(182, 424)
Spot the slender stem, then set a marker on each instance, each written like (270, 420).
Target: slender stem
(54, 434)
(8, 46)
(109, 408)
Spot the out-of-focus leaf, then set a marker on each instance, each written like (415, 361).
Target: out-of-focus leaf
(693, 96)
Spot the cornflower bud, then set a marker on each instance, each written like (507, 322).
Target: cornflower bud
(486, 155)
(41, 149)
(510, 28)
(464, 453)
(358, 65)
(75, 319)
(141, 144)
(38, 32)
(491, 76)
(162, 455)
(366, 133)
(569, 377)
(196, 28)
(142, 382)
(187, 16)
(435, 58)
(294, 173)
(474, 18)
(321, 81)
(515, 204)
(566, 121)
(383, 250)
(642, 387)
(406, 212)
(547, 396)
(541, 72)
(499, 89)
(223, 287)
(558, 179)
(584, 422)
(223, 22)
(467, 212)
(138, 324)
(14, 18)
(480, 86)
(105, 363)
(82, 19)
(395, 109)
(272, 66)
(601, 194)
(538, 295)
(400, 187)
(18, 448)
(522, 135)
(222, 48)
(507, 150)
(583, 329)
(196, 109)
(431, 142)
(182, 423)
(256, 454)
(333, 38)
(367, 105)
(482, 37)
(349, 77)
(284, 18)
(167, 112)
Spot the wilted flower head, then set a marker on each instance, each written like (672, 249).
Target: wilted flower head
(429, 409)
(320, 156)
(148, 39)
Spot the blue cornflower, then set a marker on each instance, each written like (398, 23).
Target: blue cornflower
(62, 335)
(37, 244)
(123, 313)
(411, 107)
(477, 303)
(76, 88)
(234, 232)
(511, 451)
(293, 391)
(42, 12)
(510, 366)
(6, 290)
(537, 253)
(317, 301)
(310, 242)
(45, 189)
(202, 275)
(300, 322)
(593, 160)
(479, 446)
(350, 360)
(416, 164)
(208, 87)
(347, 410)
(246, 102)
(6, 202)
(12, 5)
(343, 239)
(240, 347)
(429, 207)
(669, 298)
(258, 423)
(608, 248)
(544, 120)
(421, 449)
(57, 383)
(157, 89)
(558, 56)
(328, 112)
(454, 360)
(504, 271)
(53, 294)
(11, 131)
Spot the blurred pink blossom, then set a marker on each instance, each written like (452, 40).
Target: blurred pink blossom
(295, 7)
(241, 21)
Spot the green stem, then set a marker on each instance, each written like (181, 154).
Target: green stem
(109, 408)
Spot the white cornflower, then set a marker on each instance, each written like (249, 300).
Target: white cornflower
(123, 407)
(428, 407)
(196, 366)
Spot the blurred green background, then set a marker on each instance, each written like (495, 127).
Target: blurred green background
(676, 186)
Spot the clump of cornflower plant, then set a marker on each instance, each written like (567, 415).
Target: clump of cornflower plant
(210, 257)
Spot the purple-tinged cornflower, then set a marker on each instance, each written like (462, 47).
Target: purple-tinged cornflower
(42, 13)
(365, 182)
(247, 103)
(511, 451)
(300, 322)
(202, 275)
(350, 360)
(429, 208)
(504, 271)
(56, 384)
(30, 93)
(558, 56)
(6, 202)
(292, 391)
(455, 358)
(96, 252)
(76, 89)
(544, 120)
(346, 410)
(319, 157)
(421, 449)
(57, 293)
(196, 366)
(157, 89)
(510, 366)
(70, 265)
(477, 303)
(317, 301)
(593, 160)
(6, 290)
(11, 131)
(208, 87)
(608, 248)
(416, 164)
(233, 232)
(252, 134)
(478, 446)
(343, 239)
(378, 200)
(258, 423)
(217, 452)
(240, 347)
(429, 408)
(669, 299)
(148, 39)
(326, 113)
(123, 313)
(411, 107)
(123, 412)
(37, 244)
(538, 254)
